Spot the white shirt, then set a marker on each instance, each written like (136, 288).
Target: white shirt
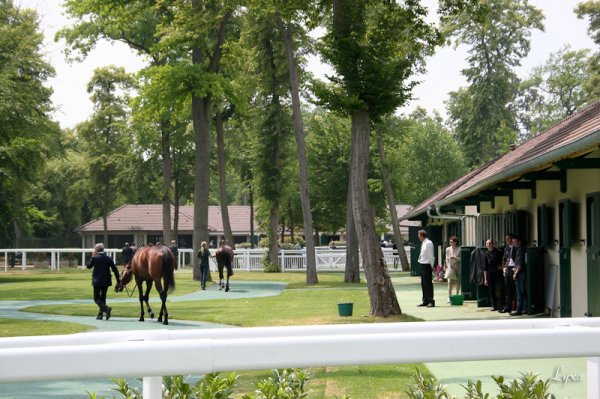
(427, 255)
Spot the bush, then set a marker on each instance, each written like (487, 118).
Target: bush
(243, 245)
(282, 384)
(528, 386)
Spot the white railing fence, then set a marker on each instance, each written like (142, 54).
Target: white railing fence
(245, 259)
(153, 354)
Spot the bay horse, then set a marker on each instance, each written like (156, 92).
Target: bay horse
(224, 255)
(153, 265)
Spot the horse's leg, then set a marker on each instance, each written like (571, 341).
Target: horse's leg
(163, 306)
(227, 286)
(141, 296)
(147, 298)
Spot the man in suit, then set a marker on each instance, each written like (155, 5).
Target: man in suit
(127, 254)
(101, 279)
(508, 262)
(519, 275)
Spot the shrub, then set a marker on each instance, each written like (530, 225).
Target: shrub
(528, 386)
(282, 384)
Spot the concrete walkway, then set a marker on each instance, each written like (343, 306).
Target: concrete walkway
(453, 374)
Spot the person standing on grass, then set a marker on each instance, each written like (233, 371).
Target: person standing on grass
(127, 253)
(101, 280)
(427, 262)
(203, 255)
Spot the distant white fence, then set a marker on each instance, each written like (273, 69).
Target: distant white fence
(245, 259)
(152, 354)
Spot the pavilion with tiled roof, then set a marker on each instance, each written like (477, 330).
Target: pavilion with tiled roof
(143, 223)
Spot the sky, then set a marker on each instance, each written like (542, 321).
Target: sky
(443, 69)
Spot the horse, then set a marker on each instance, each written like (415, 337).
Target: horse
(224, 255)
(151, 265)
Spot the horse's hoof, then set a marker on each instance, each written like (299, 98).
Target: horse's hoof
(166, 322)
(141, 319)
(151, 315)
(227, 289)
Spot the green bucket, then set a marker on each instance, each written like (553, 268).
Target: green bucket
(456, 300)
(345, 309)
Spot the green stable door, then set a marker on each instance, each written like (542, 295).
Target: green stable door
(592, 243)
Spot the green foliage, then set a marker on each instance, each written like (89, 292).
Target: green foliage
(282, 384)
(553, 91)
(528, 386)
(210, 386)
(498, 35)
(416, 177)
(426, 388)
(591, 9)
(374, 46)
(27, 135)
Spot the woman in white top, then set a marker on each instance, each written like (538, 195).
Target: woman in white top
(452, 266)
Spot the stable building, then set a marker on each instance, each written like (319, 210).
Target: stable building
(547, 191)
(143, 224)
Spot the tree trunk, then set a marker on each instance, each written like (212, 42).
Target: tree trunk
(274, 212)
(391, 204)
(352, 271)
(201, 118)
(381, 291)
(311, 262)
(222, 181)
(167, 172)
(251, 202)
(105, 199)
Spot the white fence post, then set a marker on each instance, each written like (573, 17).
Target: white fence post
(593, 376)
(152, 388)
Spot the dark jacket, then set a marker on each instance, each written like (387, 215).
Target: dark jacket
(520, 260)
(174, 249)
(127, 254)
(493, 261)
(102, 265)
(477, 265)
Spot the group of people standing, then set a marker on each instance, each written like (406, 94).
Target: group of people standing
(503, 273)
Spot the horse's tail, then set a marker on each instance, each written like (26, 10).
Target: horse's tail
(169, 265)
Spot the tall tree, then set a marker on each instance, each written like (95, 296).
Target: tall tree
(134, 23)
(498, 35)
(274, 127)
(553, 91)
(286, 16)
(25, 124)
(591, 9)
(374, 47)
(389, 193)
(105, 133)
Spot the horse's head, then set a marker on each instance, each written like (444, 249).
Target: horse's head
(124, 278)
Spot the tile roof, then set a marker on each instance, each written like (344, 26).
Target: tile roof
(573, 136)
(149, 218)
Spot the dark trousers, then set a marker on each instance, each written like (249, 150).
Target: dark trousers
(100, 297)
(203, 273)
(520, 291)
(495, 283)
(509, 287)
(426, 283)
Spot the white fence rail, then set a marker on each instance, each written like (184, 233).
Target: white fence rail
(245, 259)
(152, 354)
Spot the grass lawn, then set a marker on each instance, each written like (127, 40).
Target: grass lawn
(299, 304)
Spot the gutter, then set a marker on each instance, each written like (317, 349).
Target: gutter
(447, 216)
